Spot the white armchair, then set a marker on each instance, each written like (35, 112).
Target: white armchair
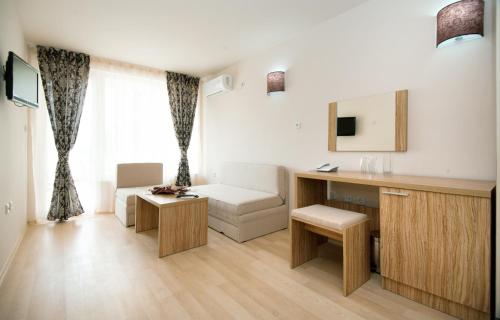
(133, 178)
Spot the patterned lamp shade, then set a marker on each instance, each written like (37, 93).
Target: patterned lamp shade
(275, 81)
(460, 21)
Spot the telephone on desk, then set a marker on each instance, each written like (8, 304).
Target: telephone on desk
(326, 167)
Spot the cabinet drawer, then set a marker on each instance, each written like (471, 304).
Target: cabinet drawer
(438, 243)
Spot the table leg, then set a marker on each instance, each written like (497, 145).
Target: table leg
(164, 240)
(146, 215)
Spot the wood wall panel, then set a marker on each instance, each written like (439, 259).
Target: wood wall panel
(332, 126)
(401, 120)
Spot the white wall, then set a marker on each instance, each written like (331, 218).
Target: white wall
(377, 47)
(13, 183)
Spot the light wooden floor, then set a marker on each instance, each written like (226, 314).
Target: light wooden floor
(94, 268)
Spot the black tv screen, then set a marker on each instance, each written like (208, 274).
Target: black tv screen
(21, 82)
(346, 126)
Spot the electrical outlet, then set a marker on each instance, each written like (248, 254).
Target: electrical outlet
(298, 125)
(214, 175)
(362, 200)
(8, 207)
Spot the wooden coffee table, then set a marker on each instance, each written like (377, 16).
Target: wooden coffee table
(182, 222)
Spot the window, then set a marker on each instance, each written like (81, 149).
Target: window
(126, 118)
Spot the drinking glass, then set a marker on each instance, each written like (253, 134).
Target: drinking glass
(363, 165)
(372, 165)
(387, 165)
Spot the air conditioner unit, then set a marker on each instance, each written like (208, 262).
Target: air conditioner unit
(218, 85)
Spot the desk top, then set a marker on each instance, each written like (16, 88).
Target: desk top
(478, 188)
(163, 200)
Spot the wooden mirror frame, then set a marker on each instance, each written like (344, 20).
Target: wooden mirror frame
(401, 124)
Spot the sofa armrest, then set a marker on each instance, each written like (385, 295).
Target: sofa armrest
(138, 174)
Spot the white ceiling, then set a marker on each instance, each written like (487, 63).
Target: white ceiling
(192, 36)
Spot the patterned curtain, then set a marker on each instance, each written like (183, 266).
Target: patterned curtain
(183, 94)
(64, 77)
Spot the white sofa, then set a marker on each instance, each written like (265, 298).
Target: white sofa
(131, 179)
(251, 200)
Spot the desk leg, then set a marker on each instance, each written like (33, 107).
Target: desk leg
(309, 192)
(146, 215)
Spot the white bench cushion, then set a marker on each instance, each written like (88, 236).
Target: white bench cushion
(329, 217)
(237, 201)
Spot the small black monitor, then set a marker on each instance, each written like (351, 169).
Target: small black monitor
(346, 126)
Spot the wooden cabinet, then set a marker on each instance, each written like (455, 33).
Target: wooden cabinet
(435, 247)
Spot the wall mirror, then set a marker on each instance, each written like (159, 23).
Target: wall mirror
(376, 123)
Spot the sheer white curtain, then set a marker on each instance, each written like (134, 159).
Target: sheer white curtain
(126, 118)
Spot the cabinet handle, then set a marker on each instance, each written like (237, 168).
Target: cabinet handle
(401, 194)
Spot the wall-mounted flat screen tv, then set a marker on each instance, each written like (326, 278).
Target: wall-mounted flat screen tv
(21, 82)
(346, 126)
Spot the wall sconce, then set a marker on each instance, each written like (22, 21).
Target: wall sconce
(275, 81)
(462, 20)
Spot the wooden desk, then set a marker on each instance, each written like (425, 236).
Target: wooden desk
(182, 222)
(435, 235)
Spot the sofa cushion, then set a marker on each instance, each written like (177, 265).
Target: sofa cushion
(260, 177)
(127, 195)
(235, 200)
(333, 218)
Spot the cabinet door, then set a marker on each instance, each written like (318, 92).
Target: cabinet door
(438, 243)
(403, 248)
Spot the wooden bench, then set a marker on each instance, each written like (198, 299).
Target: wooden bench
(313, 225)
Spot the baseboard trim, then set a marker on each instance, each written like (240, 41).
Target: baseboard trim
(10, 258)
